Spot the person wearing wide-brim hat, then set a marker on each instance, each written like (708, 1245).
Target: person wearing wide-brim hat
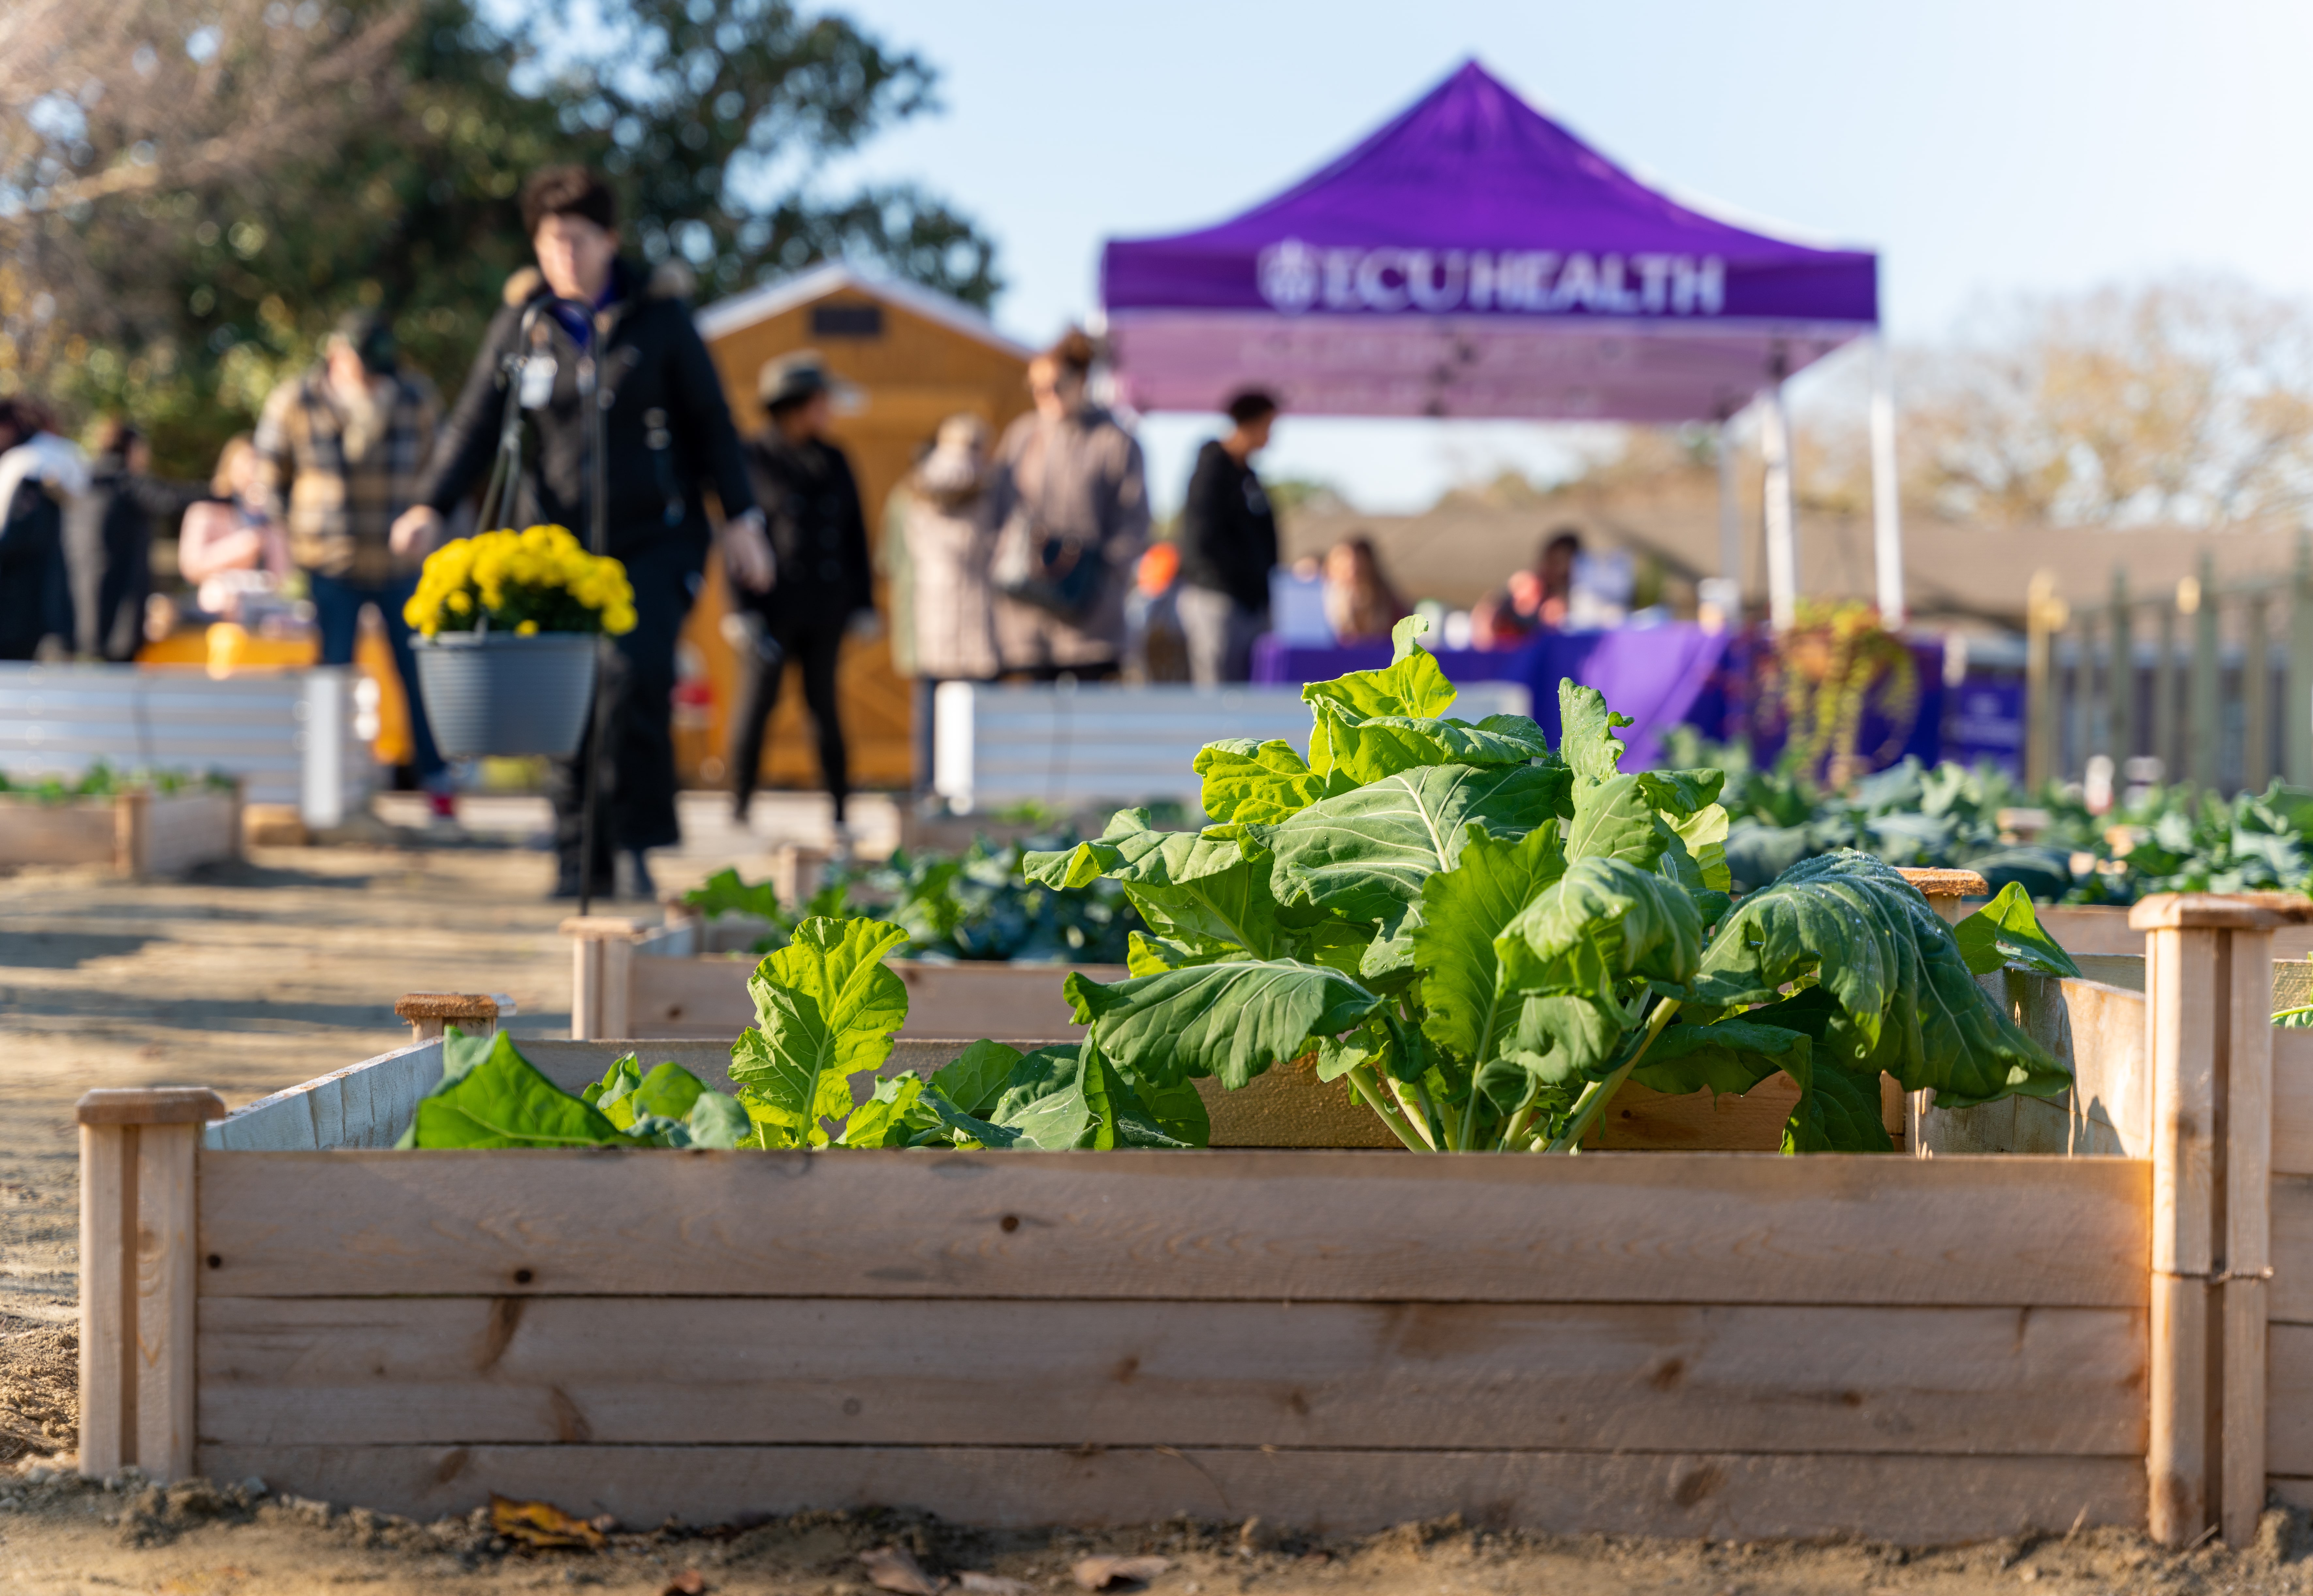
(825, 591)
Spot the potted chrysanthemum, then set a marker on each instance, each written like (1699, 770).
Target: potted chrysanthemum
(507, 623)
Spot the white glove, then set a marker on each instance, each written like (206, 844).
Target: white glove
(747, 556)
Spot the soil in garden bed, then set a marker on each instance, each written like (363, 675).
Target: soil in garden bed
(62, 1534)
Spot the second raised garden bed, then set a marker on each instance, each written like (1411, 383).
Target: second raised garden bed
(138, 832)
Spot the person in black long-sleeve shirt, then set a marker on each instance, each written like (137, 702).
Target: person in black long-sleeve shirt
(668, 441)
(1229, 546)
(825, 590)
(109, 542)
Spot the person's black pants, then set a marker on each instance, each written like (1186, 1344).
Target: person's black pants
(636, 705)
(815, 642)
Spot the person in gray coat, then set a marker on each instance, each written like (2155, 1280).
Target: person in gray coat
(1068, 487)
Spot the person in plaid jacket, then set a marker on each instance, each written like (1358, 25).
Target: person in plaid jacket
(342, 449)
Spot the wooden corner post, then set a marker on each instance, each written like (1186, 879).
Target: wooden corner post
(429, 1013)
(2208, 1021)
(601, 974)
(139, 1247)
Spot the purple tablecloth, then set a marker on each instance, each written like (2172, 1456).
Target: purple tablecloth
(1651, 674)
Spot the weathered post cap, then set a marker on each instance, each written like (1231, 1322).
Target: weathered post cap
(2218, 911)
(1948, 883)
(454, 1005)
(149, 1105)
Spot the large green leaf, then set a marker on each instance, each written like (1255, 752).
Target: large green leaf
(1366, 748)
(494, 1097)
(1185, 884)
(1259, 783)
(1838, 1112)
(1462, 910)
(717, 1120)
(1729, 1056)
(1230, 1020)
(1586, 732)
(1071, 1096)
(669, 1090)
(827, 1008)
(1704, 834)
(1365, 855)
(2006, 932)
(884, 1119)
(1838, 1108)
(1605, 921)
(1908, 1004)
(974, 1078)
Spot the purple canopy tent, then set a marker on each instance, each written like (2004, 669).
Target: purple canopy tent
(1474, 259)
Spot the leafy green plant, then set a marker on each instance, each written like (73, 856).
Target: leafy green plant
(100, 780)
(827, 1010)
(1487, 937)
(490, 1096)
(972, 906)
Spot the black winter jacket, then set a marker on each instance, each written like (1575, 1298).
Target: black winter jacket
(108, 553)
(818, 530)
(1228, 534)
(669, 440)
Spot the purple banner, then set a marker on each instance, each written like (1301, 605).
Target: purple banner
(1653, 674)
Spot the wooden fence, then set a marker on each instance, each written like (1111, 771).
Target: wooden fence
(2215, 683)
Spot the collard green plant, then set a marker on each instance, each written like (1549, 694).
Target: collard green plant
(809, 1071)
(972, 906)
(490, 1096)
(1487, 936)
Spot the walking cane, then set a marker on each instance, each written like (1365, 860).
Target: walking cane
(498, 502)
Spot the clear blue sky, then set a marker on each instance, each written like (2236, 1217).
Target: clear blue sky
(1979, 146)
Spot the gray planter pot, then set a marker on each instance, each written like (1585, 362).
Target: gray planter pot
(498, 694)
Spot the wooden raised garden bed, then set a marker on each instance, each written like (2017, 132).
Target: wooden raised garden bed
(138, 832)
(1914, 1349)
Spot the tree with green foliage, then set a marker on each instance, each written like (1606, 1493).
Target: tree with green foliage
(186, 203)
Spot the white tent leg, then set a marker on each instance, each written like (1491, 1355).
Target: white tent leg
(1782, 515)
(1886, 494)
(1730, 513)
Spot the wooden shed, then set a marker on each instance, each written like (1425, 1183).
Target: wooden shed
(907, 358)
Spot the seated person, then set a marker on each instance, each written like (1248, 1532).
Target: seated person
(1531, 600)
(228, 548)
(1360, 604)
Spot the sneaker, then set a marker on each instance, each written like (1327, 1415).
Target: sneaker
(643, 886)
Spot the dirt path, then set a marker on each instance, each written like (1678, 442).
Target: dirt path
(193, 1540)
(266, 974)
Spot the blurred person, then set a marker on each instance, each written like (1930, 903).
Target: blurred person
(40, 473)
(228, 545)
(109, 541)
(826, 590)
(1229, 546)
(1360, 604)
(949, 532)
(341, 449)
(1069, 489)
(1154, 648)
(669, 443)
(1531, 600)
